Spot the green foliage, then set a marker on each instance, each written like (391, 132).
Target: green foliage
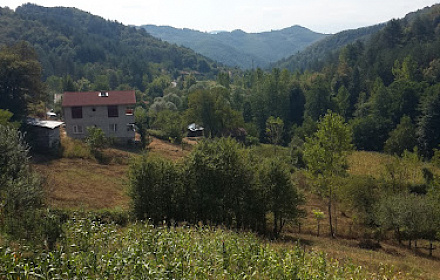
(317, 100)
(5, 119)
(156, 185)
(21, 190)
(402, 138)
(326, 152)
(428, 127)
(278, 193)
(74, 148)
(212, 110)
(318, 215)
(216, 184)
(170, 123)
(96, 140)
(238, 48)
(370, 132)
(20, 84)
(142, 123)
(326, 155)
(90, 249)
(106, 53)
(274, 130)
(410, 216)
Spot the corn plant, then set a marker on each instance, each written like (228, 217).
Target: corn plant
(90, 250)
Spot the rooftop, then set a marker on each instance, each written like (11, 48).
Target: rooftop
(97, 98)
(43, 123)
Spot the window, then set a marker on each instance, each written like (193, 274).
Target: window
(113, 127)
(112, 111)
(77, 129)
(129, 111)
(77, 113)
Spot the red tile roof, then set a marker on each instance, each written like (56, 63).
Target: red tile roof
(95, 98)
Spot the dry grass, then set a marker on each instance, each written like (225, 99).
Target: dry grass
(409, 264)
(374, 164)
(168, 150)
(84, 184)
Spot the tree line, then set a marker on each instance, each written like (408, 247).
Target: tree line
(219, 183)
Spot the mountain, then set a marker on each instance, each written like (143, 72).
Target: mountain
(238, 48)
(76, 43)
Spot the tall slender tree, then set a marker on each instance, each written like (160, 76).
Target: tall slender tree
(326, 156)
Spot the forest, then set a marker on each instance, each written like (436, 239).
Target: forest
(273, 138)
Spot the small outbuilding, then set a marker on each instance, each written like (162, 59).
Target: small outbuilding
(44, 135)
(195, 130)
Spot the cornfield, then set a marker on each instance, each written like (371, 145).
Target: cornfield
(90, 250)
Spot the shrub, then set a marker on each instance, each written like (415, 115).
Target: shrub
(74, 148)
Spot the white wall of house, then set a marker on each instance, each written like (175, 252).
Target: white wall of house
(119, 127)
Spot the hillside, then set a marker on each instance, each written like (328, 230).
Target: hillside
(73, 42)
(317, 54)
(69, 191)
(238, 48)
(376, 46)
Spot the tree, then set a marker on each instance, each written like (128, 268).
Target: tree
(220, 183)
(274, 130)
(5, 119)
(410, 216)
(280, 197)
(343, 101)
(155, 185)
(20, 79)
(21, 192)
(170, 123)
(370, 132)
(326, 155)
(141, 121)
(402, 138)
(317, 100)
(428, 126)
(96, 141)
(319, 215)
(212, 110)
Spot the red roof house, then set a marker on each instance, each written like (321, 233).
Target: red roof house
(112, 111)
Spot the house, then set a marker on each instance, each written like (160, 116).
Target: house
(112, 111)
(44, 135)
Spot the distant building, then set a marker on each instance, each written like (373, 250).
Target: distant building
(195, 130)
(112, 111)
(44, 134)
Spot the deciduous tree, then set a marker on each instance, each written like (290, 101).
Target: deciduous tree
(326, 155)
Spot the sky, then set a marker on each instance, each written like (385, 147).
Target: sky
(324, 16)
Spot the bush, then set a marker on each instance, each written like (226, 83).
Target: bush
(21, 192)
(74, 148)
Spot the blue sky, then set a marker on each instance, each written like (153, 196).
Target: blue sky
(325, 16)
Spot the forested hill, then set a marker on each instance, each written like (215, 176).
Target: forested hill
(76, 43)
(238, 48)
(375, 47)
(317, 54)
